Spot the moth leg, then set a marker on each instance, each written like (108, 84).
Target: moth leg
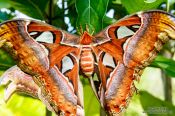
(93, 86)
(95, 81)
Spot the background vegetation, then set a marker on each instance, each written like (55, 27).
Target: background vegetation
(157, 91)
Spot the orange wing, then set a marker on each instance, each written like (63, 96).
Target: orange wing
(34, 46)
(131, 44)
(51, 56)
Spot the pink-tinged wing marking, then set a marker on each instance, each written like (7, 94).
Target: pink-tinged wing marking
(22, 39)
(129, 53)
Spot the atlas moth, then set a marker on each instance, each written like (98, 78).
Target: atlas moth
(50, 60)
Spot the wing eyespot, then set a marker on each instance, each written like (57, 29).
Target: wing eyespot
(33, 33)
(67, 64)
(43, 37)
(46, 37)
(108, 60)
(124, 31)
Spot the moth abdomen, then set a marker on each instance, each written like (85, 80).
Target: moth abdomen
(87, 61)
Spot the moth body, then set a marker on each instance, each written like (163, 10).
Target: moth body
(87, 61)
(53, 57)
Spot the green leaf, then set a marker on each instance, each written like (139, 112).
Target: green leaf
(5, 16)
(6, 60)
(92, 106)
(91, 14)
(4, 4)
(170, 5)
(149, 1)
(156, 107)
(138, 5)
(116, 2)
(21, 106)
(32, 8)
(119, 9)
(107, 21)
(168, 65)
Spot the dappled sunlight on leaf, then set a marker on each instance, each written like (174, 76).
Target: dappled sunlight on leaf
(92, 106)
(134, 107)
(19, 105)
(133, 6)
(150, 1)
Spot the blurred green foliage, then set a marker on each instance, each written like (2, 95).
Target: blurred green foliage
(79, 12)
(141, 5)
(165, 64)
(155, 105)
(21, 106)
(6, 60)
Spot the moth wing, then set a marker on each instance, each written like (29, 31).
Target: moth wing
(33, 45)
(123, 54)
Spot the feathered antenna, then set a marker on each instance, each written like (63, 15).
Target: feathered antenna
(88, 30)
(81, 30)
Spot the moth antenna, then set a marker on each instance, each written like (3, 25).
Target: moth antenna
(80, 30)
(87, 28)
(92, 32)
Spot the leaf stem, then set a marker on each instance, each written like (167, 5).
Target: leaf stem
(50, 11)
(167, 80)
(167, 87)
(167, 84)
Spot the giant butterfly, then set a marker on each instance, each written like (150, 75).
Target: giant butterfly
(49, 60)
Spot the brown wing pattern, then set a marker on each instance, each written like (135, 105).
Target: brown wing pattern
(52, 57)
(43, 62)
(127, 55)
